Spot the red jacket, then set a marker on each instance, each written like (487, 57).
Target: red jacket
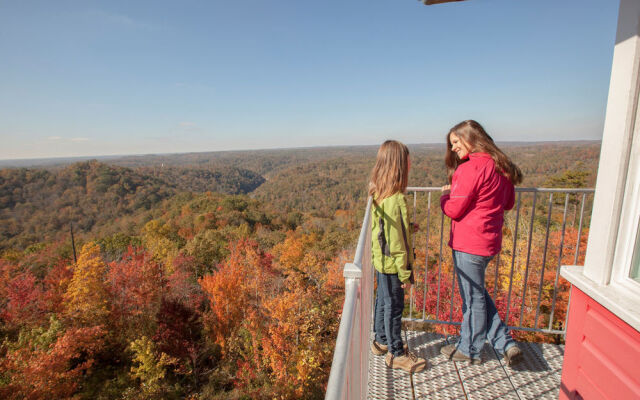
(479, 196)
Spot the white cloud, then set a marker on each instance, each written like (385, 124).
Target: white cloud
(80, 139)
(193, 86)
(188, 124)
(120, 19)
(54, 138)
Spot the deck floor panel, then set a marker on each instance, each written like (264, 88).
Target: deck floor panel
(387, 383)
(440, 380)
(487, 380)
(537, 377)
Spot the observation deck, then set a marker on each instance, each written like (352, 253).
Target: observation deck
(546, 229)
(537, 377)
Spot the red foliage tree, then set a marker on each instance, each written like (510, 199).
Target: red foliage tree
(179, 334)
(135, 291)
(55, 285)
(24, 301)
(182, 285)
(53, 371)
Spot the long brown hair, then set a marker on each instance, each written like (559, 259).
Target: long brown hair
(390, 175)
(478, 140)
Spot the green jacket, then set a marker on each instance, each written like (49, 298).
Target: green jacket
(391, 237)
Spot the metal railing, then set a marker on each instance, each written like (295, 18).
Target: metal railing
(525, 292)
(517, 253)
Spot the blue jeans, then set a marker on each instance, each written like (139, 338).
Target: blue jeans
(480, 319)
(387, 323)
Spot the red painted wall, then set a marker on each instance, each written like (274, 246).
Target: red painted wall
(602, 353)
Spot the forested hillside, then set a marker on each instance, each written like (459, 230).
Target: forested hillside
(230, 180)
(213, 276)
(39, 204)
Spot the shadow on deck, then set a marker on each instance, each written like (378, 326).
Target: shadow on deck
(537, 377)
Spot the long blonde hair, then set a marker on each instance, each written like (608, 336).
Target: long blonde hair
(472, 133)
(390, 175)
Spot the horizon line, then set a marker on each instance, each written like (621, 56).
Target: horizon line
(122, 155)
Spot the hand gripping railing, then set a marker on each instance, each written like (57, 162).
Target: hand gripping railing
(349, 370)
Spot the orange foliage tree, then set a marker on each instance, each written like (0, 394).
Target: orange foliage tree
(299, 346)
(236, 289)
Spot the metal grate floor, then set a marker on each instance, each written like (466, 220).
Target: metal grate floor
(537, 377)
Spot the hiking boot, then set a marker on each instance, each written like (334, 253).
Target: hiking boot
(379, 349)
(408, 362)
(513, 355)
(452, 353)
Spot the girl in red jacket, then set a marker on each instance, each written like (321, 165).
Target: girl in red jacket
(482, 187)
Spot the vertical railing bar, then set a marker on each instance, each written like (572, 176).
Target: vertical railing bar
(544, 260)
(440, 267)
(555, 284)
(413, 237)
(426, 259)
(495, 281)
(413, 246)
(566, 317)
(526, 271)
(513, 257)
(453, 291)
(575, 258)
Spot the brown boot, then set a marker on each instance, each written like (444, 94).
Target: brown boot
(379, 349)
(408, 362)
(513, 356)
(451, 352)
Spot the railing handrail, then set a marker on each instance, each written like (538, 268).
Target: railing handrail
(337, 376)
(357, 258)
(518, 189)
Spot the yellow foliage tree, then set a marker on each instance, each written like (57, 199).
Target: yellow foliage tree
(151, 367)
(86, 298)
(156, 237)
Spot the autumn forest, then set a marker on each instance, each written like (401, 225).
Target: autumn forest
(219, 275)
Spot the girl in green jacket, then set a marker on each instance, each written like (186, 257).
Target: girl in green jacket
(392, 256)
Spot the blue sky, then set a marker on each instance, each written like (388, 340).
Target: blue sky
(85, 78)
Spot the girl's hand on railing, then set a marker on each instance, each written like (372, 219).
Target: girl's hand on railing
(446, 189)
(406, 285)
(414, 227)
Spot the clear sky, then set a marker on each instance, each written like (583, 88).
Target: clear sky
(85, 78)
